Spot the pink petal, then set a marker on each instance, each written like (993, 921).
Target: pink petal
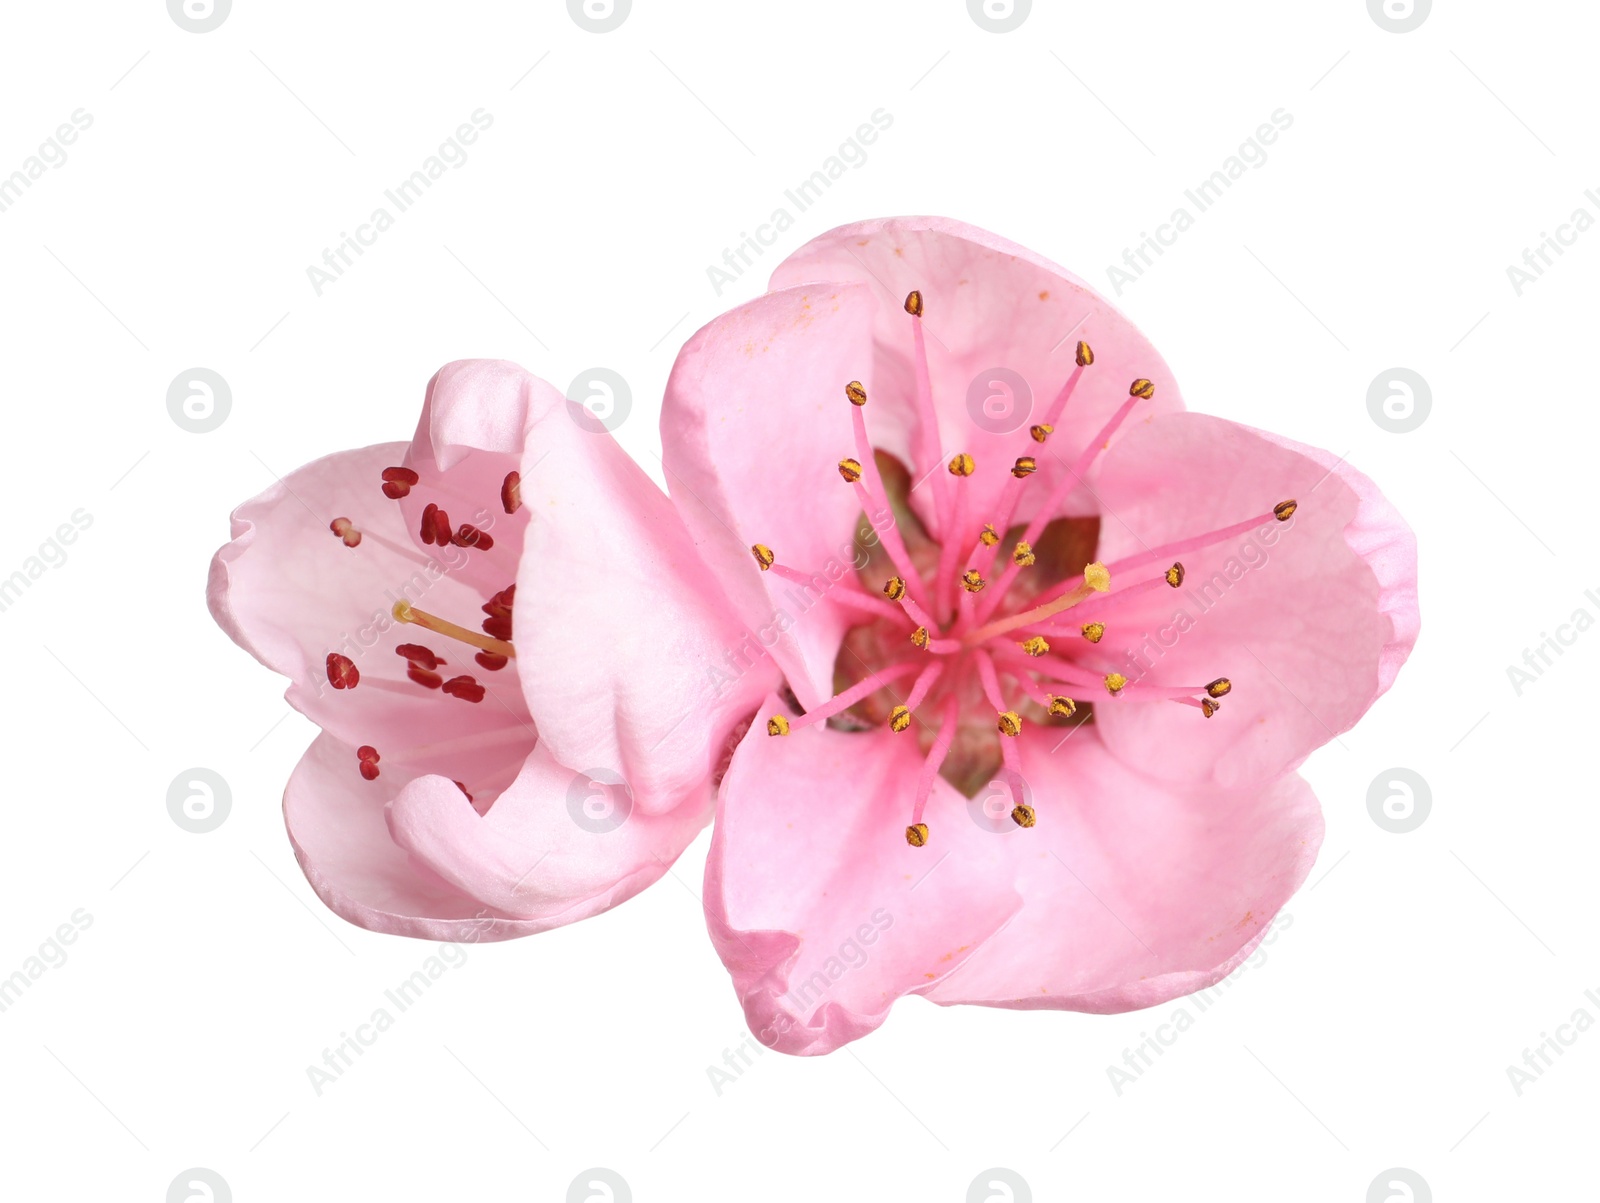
(555, 848)
(988, 304)
(753, 426)
(818, 907)
(1309, 619)
(1134, 892)
(336, 823)
(631, 658)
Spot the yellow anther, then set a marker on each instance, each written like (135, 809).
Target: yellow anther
(1022, 816)
(899, 718)
(988, 538)
(920, 637)
(972, 581)
(1208, 707)
(894, 588)
(917, 834)
(777, 725)
(1026, 465)
(961, 464)
(914, 303)
(1010, 723)
(1141, 388)
(1062, 707)
(1041, 432)
(1096, 577)
(857, 394)
(1094, 632)
(763, 555)
(850, 469)
(1115, 683)
(1221, 687)
(1175, 575)
(1284, 510)
(1085, 355)
(1022, 555)
(1037, 646)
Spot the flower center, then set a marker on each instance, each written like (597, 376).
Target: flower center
(949, 635)
(494, 649)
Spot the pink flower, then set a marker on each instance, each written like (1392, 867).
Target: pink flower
(1065, 691)
(480, 676)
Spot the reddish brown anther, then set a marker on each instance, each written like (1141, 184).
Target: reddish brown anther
(342, 672)
(430, 511)
(367, 757)
(464, 687)
(498, 608)
(441, 527)
(511, 492)
(419, 656)
(423, 677)
(397, 482)
(346, 530)
(491, 661)
(471, 536)
(464, 790)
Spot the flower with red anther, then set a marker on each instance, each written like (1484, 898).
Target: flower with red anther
(1058, 598)
(433, 626)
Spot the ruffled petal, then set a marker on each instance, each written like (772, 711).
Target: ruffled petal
(1134, 892)
(557, 846)
(336, 823)
(821, 911)
(1309, 619)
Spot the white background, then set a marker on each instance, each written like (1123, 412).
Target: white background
(1377, 234)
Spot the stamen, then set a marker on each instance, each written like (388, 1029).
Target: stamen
(342, 671)
(843, 701)
(1035, 646)
(894, 588)
(923, 684)
(1115, 683)
(465, 688)
(491, 662)
(1062, 706)
(1094, 632)
(972, 581)
(988, 538)
(420, 656)
(920, 637)
(346, 530)
(1022, 815)
(1095, 580)
(874, 496)
(1041, 431)
(397, 482)
(1194, 543)
(843, 594)
(777, 725)
(406, 612)
(367, 758)
(930, 768)
(850, 469)
(470, 536)
(917, 834)
(1174, 575)
(763, 555)
(1221, 687)
(511, 492)
(1010, 723)
(857, 394)
(1026, 465)
(927, 436)
(899, 718)
(961, 466)
(1022, 555)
